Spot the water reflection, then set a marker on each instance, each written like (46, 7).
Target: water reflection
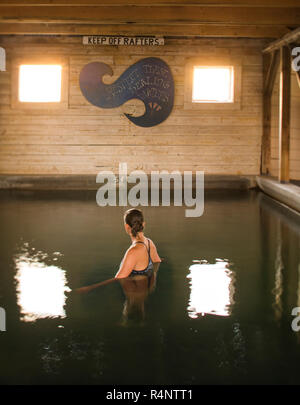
(40, 287)
(211, 289)
(280, 229)
(298, 289)
(278, 288)
(136, 290)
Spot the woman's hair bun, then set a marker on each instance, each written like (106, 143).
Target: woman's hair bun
(134, 218)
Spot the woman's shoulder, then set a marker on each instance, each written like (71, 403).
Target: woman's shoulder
(135, 248)
(153, 251)
(132, 249)
(151, 242)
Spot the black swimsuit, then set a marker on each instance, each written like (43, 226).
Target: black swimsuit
(149, 268)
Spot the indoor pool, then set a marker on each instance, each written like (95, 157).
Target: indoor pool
(217, 311)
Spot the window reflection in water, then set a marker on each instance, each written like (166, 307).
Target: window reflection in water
(40, 287)
(211, 289)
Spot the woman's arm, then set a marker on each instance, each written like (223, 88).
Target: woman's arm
(127, 265)
(93, 286)
(153, 252)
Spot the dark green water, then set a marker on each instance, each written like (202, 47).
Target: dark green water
(228, 322)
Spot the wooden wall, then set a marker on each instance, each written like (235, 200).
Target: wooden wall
(294, 128)
(84, 139)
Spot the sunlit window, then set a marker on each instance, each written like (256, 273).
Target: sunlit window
(40, 83)
(213, 84)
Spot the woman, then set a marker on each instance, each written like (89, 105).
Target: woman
(139, 259)
(140, 256)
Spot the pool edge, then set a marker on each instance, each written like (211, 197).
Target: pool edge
(286, 193)
(88, 182)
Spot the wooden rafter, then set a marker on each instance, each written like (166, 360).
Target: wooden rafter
(291, 37)
(150, 14)
(231, 18)
(187, 30)
(206, 3)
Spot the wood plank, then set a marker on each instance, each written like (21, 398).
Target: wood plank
(266, 141)
(152, 14)
(211, 3)
(153, 153)
(284, 114)
(87, 168)
(298, 77)
(108, 121)
(271, 71)
(16, 161)
(111, 135)
(23, 161)
(23, 139)
(187, 45)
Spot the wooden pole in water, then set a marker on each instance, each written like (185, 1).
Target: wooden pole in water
(284, 114)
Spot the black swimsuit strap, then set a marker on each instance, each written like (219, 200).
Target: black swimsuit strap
(150, 264)
(148, 248)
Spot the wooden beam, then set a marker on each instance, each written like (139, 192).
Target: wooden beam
(153, 14)
(266, 137)
(192, 30)
(271, 71)
(287, 39)
(270, 68)
(284, 114)
(206, 3)
(298, 77)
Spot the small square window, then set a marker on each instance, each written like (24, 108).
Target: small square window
(40, 83)
(213, 84)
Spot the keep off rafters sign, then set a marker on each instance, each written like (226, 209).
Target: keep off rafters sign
(120, 40)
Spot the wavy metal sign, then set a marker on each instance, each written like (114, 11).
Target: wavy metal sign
(149, 80)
